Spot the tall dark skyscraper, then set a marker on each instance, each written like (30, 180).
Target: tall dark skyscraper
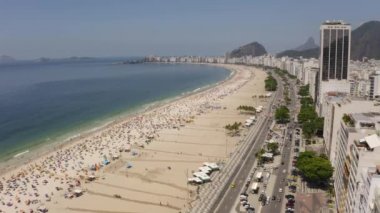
(334, 60)
(335, 50)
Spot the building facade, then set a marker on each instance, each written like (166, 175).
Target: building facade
(334, 59)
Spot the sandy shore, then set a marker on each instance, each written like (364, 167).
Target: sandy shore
(165, 146)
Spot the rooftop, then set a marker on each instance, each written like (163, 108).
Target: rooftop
(362, 122)
(335, 22)
(372, 141)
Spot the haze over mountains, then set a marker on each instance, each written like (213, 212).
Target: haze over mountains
(309, 44)
(365, 42)
(6, 59)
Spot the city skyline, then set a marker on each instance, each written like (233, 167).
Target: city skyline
(62, 29)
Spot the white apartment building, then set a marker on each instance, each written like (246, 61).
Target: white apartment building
(358, 147)
(369, 189)
(374, 90)
(335, 106)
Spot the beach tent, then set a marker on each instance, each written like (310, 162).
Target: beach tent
(194, 180)
(205, 169)
(201, 175)
(213, 166)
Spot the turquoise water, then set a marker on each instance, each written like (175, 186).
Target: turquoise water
(41, 103)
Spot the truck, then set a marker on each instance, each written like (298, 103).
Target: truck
(259, 176)
(255, 187)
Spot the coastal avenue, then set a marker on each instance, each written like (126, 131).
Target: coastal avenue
(226, 199)
(283, 171)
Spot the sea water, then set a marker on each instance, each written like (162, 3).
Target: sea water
(44, 102)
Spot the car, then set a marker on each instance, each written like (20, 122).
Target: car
(289, 196)
(244, 194)
(290, 209)
(243, 202)
(274, 197)
(251, 210)
(232, 185)
(280, 190)
(290, 205)
(243, 198)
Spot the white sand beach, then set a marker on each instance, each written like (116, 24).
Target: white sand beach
(151, 156)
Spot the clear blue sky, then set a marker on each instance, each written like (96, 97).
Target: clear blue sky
(53, 28)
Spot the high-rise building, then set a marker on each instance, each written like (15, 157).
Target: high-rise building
(374, 90)
(334, 59)
(335, 50)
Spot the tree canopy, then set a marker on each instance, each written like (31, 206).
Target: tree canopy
(247, 108)
(282, 114)
(272, 147)
(314, 168)
(234, 128)
(270, 83)
(311, 123)
(304, 90)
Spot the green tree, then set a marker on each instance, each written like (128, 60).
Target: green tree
(233, 129)
(314, 168)
(304, 90)
(272, 147)
(308, 129)
(270, 83)
(249, 109)
(282, 114)
(306, 101)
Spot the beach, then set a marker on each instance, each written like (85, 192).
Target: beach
(141, 163)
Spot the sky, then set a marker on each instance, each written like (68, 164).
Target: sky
(97, 28)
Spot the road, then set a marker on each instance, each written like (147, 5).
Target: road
(283, 171)
(227, 198)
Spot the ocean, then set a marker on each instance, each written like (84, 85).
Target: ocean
(41, 103)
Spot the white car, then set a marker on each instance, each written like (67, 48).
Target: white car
(280, 190)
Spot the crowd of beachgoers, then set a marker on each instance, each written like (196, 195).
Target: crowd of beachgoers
(64, 171)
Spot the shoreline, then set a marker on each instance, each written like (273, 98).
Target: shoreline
(42, 149)
(167, 142)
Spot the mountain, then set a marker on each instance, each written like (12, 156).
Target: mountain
(309, 44)
(4, 59)
(365, 42)
(253, 49)
(310, 53)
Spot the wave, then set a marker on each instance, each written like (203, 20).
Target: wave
(20, 154)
